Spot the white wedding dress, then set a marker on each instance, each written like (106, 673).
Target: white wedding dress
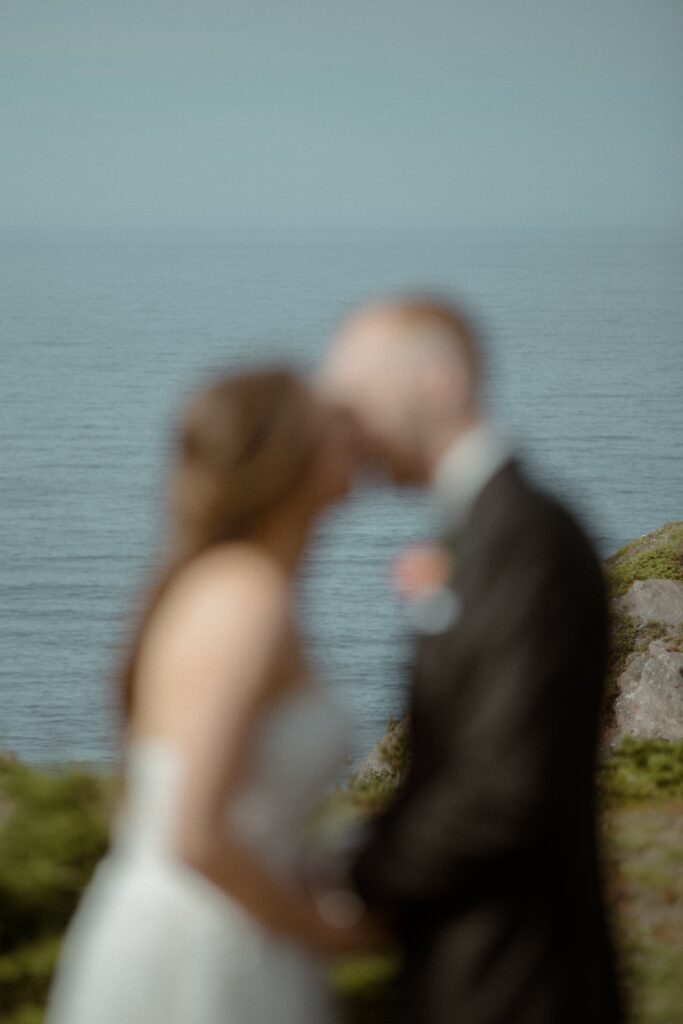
(154, 942)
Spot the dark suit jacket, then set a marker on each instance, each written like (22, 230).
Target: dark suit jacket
(487, 862)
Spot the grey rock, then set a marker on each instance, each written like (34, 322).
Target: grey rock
(650, 701)
(384, 763)
(656, 601)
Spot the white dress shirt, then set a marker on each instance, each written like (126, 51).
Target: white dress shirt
(459, 477)
(464, 470)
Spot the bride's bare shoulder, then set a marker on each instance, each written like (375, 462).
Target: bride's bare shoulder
(220, 628)
(239, 579)
(226, 566)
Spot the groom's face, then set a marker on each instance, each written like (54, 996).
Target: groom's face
(379, 448)
(362, 379)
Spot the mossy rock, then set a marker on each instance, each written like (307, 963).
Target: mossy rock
(623, 641)
(657, 555)
(385, 768)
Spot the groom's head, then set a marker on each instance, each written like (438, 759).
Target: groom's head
(408, 372)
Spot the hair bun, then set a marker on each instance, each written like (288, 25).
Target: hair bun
(245, 443)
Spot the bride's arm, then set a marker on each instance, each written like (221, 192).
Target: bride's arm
(240, 630)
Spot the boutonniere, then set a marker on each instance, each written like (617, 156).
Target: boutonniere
(421, 577)
(420, 569)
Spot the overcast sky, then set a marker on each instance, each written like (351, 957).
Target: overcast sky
(341, 112)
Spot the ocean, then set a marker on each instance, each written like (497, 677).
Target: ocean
(103, 331)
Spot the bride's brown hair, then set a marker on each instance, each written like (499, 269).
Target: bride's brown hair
(246, 443)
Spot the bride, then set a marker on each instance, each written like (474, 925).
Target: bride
(198, 912)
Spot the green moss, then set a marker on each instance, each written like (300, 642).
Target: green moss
(657, 984)
(27, 1013)
(642, 770)
(371, 794)
(646, 847)
(364, 986)
(53, 831)
(25, 974)
(657, 556)
(659, 564)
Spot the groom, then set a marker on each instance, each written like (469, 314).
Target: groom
(486, 864)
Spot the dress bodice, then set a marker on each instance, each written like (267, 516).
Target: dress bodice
(296, 749)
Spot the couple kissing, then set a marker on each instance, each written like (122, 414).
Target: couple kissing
(484, 870)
